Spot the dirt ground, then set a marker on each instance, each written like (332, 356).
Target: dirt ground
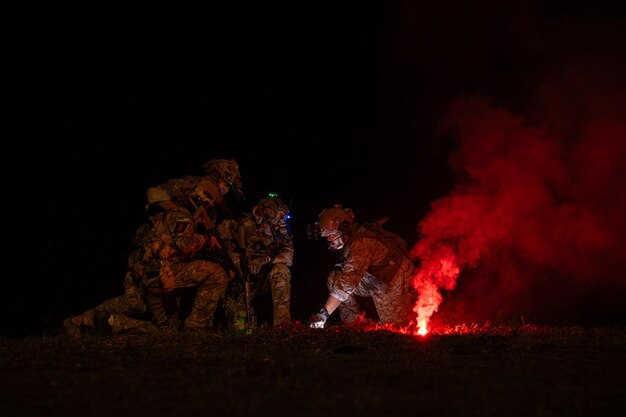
(297, 371)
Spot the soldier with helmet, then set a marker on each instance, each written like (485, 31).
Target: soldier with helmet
(374, 264)
(184, 231)
(167, 257)
(261, 244)
(222, 176)
(225, 173)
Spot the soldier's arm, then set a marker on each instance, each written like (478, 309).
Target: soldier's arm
(361, 257)
(284, 254)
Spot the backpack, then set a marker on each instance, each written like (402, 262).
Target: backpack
(390, 238)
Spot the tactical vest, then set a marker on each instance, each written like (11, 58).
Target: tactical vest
(396, 250)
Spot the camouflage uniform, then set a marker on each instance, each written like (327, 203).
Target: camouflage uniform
(177, 244)
(178, 191)
(265, 242)
(184, 250)
(374, 266)
(225, 173)
(143, 288)
(222, 176)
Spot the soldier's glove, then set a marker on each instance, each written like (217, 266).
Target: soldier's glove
(254, 266)
(318, 320)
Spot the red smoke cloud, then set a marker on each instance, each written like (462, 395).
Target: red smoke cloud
(537, 221)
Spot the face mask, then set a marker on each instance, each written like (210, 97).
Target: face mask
(335, 241)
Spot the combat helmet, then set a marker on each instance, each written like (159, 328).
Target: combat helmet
(271, 213)
(335, 224)
(225, 172)
(206, 193)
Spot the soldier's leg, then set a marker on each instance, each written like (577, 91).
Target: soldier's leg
(129, 303)
(280, 281)
(395, 305)
(211, 281)
(121, 323)
(133, 303)
(350, 309)
(163, 307)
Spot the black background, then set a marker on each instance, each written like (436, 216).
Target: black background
(322, 102)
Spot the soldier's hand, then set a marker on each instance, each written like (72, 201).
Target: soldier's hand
(254, 266)
(317, 321)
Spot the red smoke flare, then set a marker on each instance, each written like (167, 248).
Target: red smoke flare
(438, 271)
(536, 221)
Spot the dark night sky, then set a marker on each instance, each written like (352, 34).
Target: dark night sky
(321, 102)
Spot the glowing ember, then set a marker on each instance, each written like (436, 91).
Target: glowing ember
(422, 328)
(438, 269)
(440, 329)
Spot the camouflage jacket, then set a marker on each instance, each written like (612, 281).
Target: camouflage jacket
(245, 234)
(175, 236)
(370, 252)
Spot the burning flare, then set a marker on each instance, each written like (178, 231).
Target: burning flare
(438, 269)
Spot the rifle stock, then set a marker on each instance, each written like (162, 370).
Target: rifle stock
(241, 270)
(247, 281)
(248, 292)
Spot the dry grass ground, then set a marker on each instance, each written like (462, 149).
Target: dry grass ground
(523, 371)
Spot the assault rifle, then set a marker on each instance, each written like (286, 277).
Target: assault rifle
(241, 271)
(242, 274)
(248, 292)
(218, 251)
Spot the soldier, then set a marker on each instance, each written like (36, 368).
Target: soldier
(225, 173)
(374, 264)
(177, 242)
(184, 231)
(220, 173)
(149, 260)
(262, 239)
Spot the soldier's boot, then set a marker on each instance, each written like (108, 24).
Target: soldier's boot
(71, 328)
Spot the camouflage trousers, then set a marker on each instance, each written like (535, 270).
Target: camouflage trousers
(394, 302)
(207, 278)
(280, 284)
(129, 304)
(279, 278)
